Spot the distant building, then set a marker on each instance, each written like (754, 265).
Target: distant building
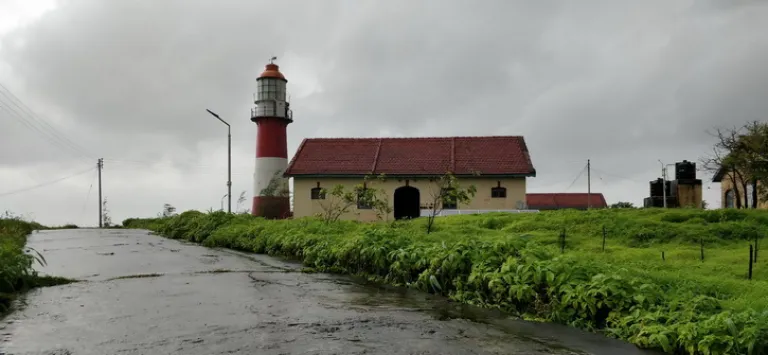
(684, 191)
(557, 201)
(733, 194)
(497, 166)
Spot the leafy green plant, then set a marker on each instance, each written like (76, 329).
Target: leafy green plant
(16, 260)
(339, 200)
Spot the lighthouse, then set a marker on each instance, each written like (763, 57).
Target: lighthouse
(272, 116)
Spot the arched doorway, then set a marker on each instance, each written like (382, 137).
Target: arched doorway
(407, 200)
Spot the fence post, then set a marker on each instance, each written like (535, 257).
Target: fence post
(756, 247)
(662, 256)
(750, 262)
(562, 241)
(604, 237)
(701, 241)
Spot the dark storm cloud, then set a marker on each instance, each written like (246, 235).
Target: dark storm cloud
(623, 83)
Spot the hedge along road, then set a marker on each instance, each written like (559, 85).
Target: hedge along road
(144, 294)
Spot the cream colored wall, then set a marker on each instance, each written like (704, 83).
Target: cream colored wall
(304, 206)
(727, 184)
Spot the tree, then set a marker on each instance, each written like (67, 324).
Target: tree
(339, 200)
(741, 155)
(240, 201)
(274, 196)
(168, 210)
(379, 201)
(623, 204)
(106, 219)
(446, 191)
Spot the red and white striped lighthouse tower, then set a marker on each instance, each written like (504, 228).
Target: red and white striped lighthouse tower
(272, 116)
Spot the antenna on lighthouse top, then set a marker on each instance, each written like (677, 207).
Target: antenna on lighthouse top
(272, 60)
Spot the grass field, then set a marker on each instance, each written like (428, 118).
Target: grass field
(518, 263)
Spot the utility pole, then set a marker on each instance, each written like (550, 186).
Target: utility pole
(229, 158)
(663, 182)
(589, 185)
(100, 165)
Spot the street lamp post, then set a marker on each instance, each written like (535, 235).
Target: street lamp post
(222, 201)
(229, 159)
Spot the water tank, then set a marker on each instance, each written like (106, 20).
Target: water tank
(657, 186)
(685, 170)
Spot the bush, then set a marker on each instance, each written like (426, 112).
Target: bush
(16, 272)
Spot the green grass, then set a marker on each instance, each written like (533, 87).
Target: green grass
(514, 262)
(16, 261)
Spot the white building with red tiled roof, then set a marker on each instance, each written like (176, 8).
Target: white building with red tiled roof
(497, 166)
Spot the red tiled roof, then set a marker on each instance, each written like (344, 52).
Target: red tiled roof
(492, 155)
(565, 200)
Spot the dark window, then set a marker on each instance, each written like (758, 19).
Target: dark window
(499, 192)
(449, 199)
(318, 193)
(362, 204)
(730, 199)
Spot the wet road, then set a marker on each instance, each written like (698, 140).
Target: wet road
(143, 294)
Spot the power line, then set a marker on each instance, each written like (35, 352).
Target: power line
(171, 165)
(45, 184)
(577, 177)
(42, 127)
(617, 176)
(85, 204)
(18, 117)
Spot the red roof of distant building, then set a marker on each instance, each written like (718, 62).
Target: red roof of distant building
(492, 155)
(550, 201)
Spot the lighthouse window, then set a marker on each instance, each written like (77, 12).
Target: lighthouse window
(268, 89)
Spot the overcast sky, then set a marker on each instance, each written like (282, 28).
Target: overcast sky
(623, 83)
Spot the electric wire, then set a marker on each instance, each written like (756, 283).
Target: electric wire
(171, 165)
(577, 178)
(9, 112)
(46, 126)
(616, 176)
(55, 137)
(45, 184)
(87, 196)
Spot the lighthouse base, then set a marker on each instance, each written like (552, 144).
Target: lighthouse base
(271, 207)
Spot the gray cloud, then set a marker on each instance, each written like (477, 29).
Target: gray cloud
(621, 83)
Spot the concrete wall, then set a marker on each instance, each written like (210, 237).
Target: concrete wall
(304, 206)
(727, 184)
(689, 195)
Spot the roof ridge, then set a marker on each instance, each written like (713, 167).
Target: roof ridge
(376, 157)
(412, 138)
(453, 154)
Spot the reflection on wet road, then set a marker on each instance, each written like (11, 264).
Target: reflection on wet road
(142, 294)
